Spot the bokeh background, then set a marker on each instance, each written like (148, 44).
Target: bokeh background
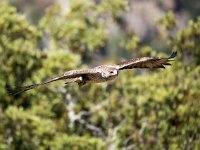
(142, 109)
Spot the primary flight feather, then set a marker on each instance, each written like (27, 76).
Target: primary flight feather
(101, 73)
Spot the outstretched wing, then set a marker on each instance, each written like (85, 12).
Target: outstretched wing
(66, 75)
(146, 62)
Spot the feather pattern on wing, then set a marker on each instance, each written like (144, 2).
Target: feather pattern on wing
(78, 73)
(146, 62)
(66, 75)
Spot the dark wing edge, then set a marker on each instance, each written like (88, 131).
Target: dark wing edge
(173, 55)
(146, 62)
(66, 75)
(18, 90)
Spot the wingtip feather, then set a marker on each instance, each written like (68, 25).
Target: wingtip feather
(15, 91)
(173, 55)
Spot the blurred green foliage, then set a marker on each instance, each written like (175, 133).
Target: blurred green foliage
(140, 110)
(168, 22)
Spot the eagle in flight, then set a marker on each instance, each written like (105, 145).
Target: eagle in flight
(102, 73)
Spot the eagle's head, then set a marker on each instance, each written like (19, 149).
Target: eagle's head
(109, 71)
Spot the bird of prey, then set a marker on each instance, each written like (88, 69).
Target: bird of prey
(102, 73)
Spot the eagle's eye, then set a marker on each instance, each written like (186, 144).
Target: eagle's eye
(111, 72)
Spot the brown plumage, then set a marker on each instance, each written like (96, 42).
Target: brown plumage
(101, 73)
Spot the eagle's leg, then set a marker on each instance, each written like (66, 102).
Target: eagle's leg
(77, 80)
(80, 81)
